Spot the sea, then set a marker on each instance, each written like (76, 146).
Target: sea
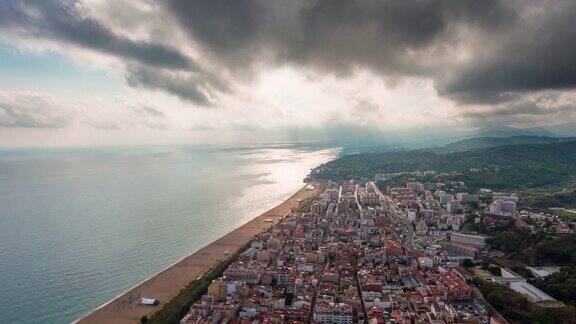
(80, 226)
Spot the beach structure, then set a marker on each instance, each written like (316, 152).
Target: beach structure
(149, 301)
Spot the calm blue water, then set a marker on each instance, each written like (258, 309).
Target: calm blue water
(80, 226)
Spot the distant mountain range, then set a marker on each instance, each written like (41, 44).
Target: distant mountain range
(358, 140)
(486, 142)
(561, 130)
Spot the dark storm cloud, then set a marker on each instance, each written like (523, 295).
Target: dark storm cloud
(544, 108)
(511, 48)
(222, 25)
(526, 46)
(57, 20)
(196, 88)
(539, 54)
(393, 37)
(396, 37)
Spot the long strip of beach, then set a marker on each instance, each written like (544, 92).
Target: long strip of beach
(166, 284)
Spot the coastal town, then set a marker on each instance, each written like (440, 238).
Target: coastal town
(288, 161)
(371, 253)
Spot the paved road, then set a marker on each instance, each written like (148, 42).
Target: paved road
(408, 231)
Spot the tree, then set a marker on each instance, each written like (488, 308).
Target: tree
(473, 204)
(288, 298)
(143, 319)
(495, 271)
(523, 271)
(467, 263)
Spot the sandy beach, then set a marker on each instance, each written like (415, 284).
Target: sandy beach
(166, 284)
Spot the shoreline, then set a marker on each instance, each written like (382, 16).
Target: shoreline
(166, 284)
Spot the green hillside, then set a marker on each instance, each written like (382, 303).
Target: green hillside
(487, 142)
(550, 166)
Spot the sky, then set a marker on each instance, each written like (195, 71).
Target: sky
(101, 72)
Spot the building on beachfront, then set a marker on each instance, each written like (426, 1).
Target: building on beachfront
(219, 289)
(317, 207)
(242, 273)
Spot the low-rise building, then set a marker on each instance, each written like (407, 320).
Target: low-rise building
(474, 240)
(337, 313)
(461, 249)
(453, 206)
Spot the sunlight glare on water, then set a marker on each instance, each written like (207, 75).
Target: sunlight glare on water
(80, 226)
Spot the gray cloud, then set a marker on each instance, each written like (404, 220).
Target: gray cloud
(538, 54)
(394, 37)
(148, 117)
(41, 110)
(512, 48)
(147, 111)
(197, 88)
(150, 65)
(30, 110)
(59, 21)
(545, 107)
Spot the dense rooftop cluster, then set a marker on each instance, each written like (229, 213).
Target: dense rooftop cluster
(348, 259)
